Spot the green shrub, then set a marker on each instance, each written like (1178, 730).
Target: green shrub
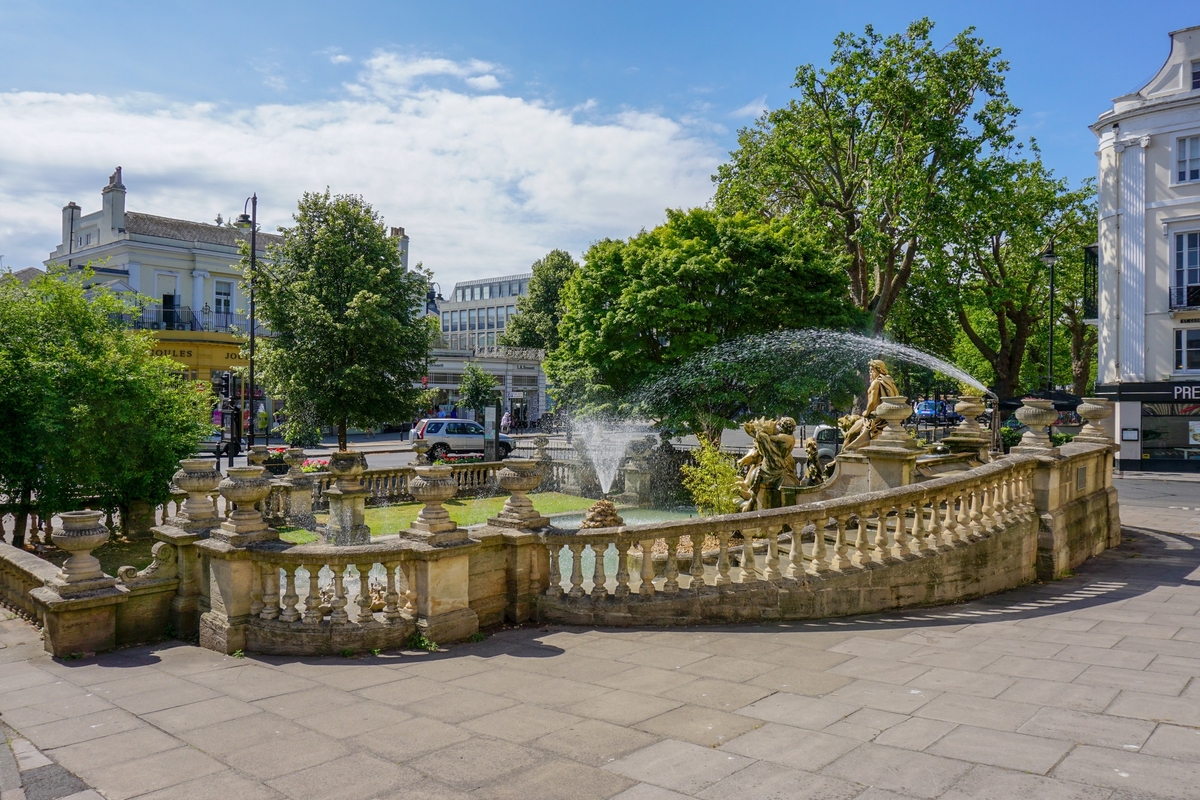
(712, 483)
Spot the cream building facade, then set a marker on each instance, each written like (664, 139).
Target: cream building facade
(1149, 263)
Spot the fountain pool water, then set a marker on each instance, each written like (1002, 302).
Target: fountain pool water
(605, 442)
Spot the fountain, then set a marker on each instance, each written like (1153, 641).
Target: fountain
(605, 441)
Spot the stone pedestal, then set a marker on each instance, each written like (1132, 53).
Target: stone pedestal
(969, 437)
(231, 582)
(199, 479)
(433, 486)
(185, 605)
(347, 500)
(892, 455)
(1037, 415)
(444, 613)
(520, 475)
(1094, 410)
(637, 486)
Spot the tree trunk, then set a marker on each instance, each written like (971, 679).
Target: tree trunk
(1083, 349)
(342, 434)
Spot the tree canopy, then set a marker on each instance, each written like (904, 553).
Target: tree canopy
(477, 389)
(862, 155)
(350, 338)
(539, 312)
(640, 307)
(90, 413)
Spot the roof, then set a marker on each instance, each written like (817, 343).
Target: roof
(524, 276)
(186, 231)
(27, 275)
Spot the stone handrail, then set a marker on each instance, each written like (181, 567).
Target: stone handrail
(20, 572)
(390, 484)
(851, 533)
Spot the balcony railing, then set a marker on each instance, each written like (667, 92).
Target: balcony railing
(182, 318)
(1185, 296)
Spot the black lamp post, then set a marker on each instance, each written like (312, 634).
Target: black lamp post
(251, 221)
(1050, 259)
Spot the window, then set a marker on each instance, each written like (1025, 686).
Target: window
(445, 321)
(1187, 349)
(453, 320)
(512, 290)
(223, 297)
(500, 317)
(524, 287)
(1187, 167)
(458, 295)
(1185, 289)
(1196, 74)
(487, 292)
(471, 318)
(491, 339)
(491, 318)
(512, 310)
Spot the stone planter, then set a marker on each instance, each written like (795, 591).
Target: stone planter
(294, 458)
(1094, 410)
(519, 476)
(347, 500)
(198, 477)
(969, 437)
(81, 533)
(893, 411)
(347, 467)
(257, 455)
(244, 487)
(433, 486)
(421, 447)
(1037, 415)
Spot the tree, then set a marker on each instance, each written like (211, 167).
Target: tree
(477, 389)
(863, 154)
(91, 414)
(1006, 210)
(539, 312)
(350, 338)
(637, 309)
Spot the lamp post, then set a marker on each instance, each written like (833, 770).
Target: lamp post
(251, 221)
(1048, 258)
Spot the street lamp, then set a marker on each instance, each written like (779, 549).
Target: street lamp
(250, 221)
(1050, 259)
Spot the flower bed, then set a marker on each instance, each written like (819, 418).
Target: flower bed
(461, 458)
(315, 465)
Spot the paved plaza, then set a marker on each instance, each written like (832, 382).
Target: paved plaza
(1085, 688)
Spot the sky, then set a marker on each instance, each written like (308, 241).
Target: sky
(492, 132)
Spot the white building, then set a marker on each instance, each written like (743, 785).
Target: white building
(476, 314)
(1149, 263)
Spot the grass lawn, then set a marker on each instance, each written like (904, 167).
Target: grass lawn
(384, 520)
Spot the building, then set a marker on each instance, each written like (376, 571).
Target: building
(1149, 263)
(475, 315)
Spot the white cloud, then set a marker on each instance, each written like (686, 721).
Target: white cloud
(340, 58)
(484, 83)
(483, 183)
(752, 109)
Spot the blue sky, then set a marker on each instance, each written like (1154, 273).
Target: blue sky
(492, 131)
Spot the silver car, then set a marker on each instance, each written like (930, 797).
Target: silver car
(456, 436)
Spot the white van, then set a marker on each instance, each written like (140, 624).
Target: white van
(830, 440)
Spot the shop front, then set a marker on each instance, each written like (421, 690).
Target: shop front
(1158, 425)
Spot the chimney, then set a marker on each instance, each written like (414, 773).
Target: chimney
(398, 233)
(70, 222)
(113, 218)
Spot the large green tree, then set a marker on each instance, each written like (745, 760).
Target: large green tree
(863, 154)
(90, 413)
(1005, 212)
(539, 312)
(350, 336)
(638, 308)
(476, 390)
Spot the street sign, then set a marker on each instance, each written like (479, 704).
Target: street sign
(490, 441)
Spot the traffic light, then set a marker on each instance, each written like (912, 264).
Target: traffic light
(226, 380)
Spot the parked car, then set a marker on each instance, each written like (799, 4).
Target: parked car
(829, 443)
(937, 412)
(456, 436)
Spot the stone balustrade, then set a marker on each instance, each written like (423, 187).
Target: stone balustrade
(390, 484)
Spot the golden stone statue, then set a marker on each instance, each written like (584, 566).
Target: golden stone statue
(770, 464)
(861, 429)
(814, 473)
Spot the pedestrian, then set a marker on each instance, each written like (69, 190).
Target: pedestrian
(506, 422)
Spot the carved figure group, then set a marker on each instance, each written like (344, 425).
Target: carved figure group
(862, 428)
(770, 466)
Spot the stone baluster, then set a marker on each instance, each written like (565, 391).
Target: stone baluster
(951, 521)
(622, 589)
(820, 557)
(900, 538)
(935, 522)
(920, 545)
(256, 591)
(365, 614)
(391, 598)
(312, 603)
(723, 556)
(771, 572)
(862, 544)
(991, 515)
(554, 589)
(647, 574)
(975, 493)
(964, 515)
(671, 584)
(696, 568)
(840, 560)
(749, 562)
(599, 579)
(408, 592)
(338, 615)
(576, 570)
(290, 598)
(881, 533)
(795, 567)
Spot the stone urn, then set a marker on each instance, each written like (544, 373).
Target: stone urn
(433, 486)
(258, 455)
(347, 467)
(1037, 415)
(1094, 410)
(244, 487)
(198, 477)
(421, 447)
(519, 476)
(294, 457)
(970, 406)
(81, 532)
(893, 411)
